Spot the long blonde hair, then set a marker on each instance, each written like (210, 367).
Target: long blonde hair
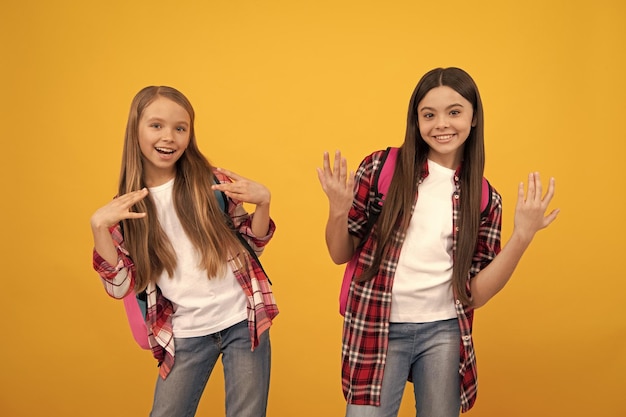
(396, 212)
(194, 201)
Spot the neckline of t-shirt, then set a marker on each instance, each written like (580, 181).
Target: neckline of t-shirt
(162, 187)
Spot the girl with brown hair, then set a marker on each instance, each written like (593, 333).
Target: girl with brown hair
(430, 258)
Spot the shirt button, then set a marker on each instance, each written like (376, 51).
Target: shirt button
(456, 228)
(456, 196)
(466, 338)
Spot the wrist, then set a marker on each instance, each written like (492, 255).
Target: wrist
(263, 205)
(522, 238)
(338, 212)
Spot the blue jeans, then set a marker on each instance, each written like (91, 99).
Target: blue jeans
(246, 374)
(430, 351)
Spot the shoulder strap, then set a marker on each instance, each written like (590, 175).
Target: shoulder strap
(382, 180)
(485, 198)
(382, 177)
(380, 185)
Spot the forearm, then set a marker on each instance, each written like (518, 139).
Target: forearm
(529, 219)
(260, 223)
(103, 243)
(115, 271)
(495, 276)
(340, 243)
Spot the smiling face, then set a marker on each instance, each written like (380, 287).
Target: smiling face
(163, 134)
(445, 119)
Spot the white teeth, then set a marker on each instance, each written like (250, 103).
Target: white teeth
(444, 137)
(165, 150)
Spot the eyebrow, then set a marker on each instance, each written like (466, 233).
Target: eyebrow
(159, 119)
(449, 107)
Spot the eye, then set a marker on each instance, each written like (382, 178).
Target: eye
(155, 125)
(428, 115)
(455, 112)
(181, 129)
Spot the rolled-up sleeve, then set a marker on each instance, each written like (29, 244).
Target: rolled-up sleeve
(488, 245)
(117, 279)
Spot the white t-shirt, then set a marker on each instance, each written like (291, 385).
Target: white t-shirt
(202, 306)
(422, 290)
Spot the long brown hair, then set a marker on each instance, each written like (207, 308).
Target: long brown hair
(396, 212)
(194, 202)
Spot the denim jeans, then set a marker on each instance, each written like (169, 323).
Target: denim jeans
(430, 351)
(246, 374)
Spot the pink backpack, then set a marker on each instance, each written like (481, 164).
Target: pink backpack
(135, 307)
(382, 180)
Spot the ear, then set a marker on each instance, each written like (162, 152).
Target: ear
(474, 121)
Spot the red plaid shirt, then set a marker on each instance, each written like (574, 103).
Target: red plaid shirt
(119, 280)
(366, 322)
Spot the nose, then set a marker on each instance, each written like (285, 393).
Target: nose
(442, 122)
(168, 135)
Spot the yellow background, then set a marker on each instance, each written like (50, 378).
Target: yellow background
(274, 84)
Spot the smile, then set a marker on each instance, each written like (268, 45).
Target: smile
(444, 137)
(165, 151)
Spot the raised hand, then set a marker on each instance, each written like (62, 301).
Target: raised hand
(109, 215)
(336, 183)
(244, 189)
(531, 207)
(118, 209)
(339, 188)
(530, 217)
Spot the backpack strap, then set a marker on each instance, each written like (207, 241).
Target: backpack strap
(382, 180)
(380, 186)
(485, 198)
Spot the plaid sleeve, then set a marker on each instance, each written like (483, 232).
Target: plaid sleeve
(489, 235)
(242, 220)
(117, 279)
(363, 194)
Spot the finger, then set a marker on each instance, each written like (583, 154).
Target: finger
(321, 177)
(133, 194)
(530, 194)
(343, 170)
(230, 187)
(231, 174)
(551, 217)
(130, 199)
(336, 163)
(326, 162)
(538, 187)
(350, 181)
(550, 193)
(133, 215)
(140, 194)
(520, 193)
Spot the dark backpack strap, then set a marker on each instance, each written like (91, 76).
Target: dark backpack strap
(376, 206)
(379, 194)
